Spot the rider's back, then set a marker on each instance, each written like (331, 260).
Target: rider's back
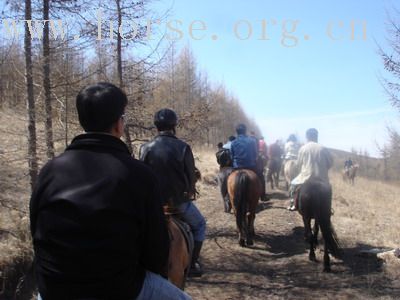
(314, 161)
(244, 152)
(172, 160)
(274, 151)
(89, 216)
(291, 150)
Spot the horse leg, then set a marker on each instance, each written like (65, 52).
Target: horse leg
(250, 229)
(327, 264)
(277, 179)
(315, 233)
(227, 204)
(241, 238)
(308, 236)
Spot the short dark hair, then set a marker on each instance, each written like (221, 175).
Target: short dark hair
(312, 134)
(99, 106)
(220, 145)
(231, 138)
(241, 129)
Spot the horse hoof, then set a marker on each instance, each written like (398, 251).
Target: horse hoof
(242, 243)
(327, 269)
(249, 242)
(313, 258)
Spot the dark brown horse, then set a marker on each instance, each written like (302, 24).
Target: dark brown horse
(314, 202)
(273, 170)
(180, 250)
(244, 188)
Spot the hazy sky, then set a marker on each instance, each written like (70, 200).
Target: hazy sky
(320, 74)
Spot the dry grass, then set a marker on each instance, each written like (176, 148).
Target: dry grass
(368, 211)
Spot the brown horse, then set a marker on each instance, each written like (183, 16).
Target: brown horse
(244, 188)
(273, 170)
(314, 202)
(180, 250)
(181, 244)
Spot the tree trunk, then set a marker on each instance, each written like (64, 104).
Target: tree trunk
(46, 83)
(119, 70)
(32, 152)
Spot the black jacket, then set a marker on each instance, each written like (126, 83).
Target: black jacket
(97, 222)
(172, 160)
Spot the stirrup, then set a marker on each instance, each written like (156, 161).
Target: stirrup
(195, 270)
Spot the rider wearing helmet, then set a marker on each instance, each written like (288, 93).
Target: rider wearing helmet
(172, 159)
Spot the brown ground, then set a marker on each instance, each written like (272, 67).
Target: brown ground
(277, 266)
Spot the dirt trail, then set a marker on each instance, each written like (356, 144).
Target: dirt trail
(277, 266)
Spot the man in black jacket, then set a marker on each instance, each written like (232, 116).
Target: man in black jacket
(173, 162)
(97, 223)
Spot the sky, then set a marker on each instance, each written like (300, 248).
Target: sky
(296, 64)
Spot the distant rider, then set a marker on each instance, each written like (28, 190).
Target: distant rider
(347, 165)
(291, 147)
(228, 144)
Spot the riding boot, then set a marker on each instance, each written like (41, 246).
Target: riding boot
(195, 269)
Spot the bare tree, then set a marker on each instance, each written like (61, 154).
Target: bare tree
(46, 81)
(391, 62)
(32, 152)
(391, 59)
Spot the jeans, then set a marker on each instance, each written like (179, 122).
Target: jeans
(191, 215)
(156, 288)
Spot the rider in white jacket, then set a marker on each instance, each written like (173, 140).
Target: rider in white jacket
(291, 148)
(314, 161)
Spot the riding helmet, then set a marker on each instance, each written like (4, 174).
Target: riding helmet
(165, 118)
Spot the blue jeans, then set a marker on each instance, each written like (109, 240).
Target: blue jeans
(192, 216)
(156, 287)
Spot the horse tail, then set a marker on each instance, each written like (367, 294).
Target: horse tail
(328, 232)
(330, 238)
(241, 187)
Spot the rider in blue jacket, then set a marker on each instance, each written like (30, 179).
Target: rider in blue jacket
(244, 150)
